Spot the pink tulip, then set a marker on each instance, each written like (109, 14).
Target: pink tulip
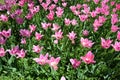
(14, 50)
(114, 28)
(45, 25)
(118, 6)
(74, 22)
(53, 62)
(86, 42)
(118, 35)
(37, 48)
(67, 22)
(25, 33)
(2, 52)
(2, 39)
(96, 1)
(85, 32)
(59, 12)
(88, 58)
(32, 27)
(75, 63)
(3, 18)
(116, 46)
(83, 17)
(50, 16)
(23, 41)
(64, 4)
(63, 78)
(114, 18)
(52, 7)
(44, 5)
(38, 36)
(58, 35)
(21, 53)
(72, 36)
(106, 43)
(6, 34)
(55, 27)
(55, 1)
(29, 16)
(42, 60)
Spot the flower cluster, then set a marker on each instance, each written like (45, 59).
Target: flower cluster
(43, 59)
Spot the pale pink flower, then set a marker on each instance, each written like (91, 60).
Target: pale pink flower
(116, 46)
(37, 48)
(50, 16)
(85, 32)
(40, 1)
(114, 28)
(38, 36)
(48, 2)
(52, 7)
(105, 9)
(78, 6)
(18, 11)
(32, 27)
(67, 21)
(55, 27)
(21, 3)
(44, 5)
(114, 18)
(86, 10)
(64, 4)
(29, 16)
(21, 53)
(114, 10)
(45, 25)
(3, 18)
(23, 41)
(72, 36)
(105, 43)
(42, 60)
(14, 50)
(7, 33)
(74, 22)
(102, 19)
(55, 1)
(98, 10)
(77, 13)
(25, 33)
(83, 17)
(2, 39)
(86, 42)
(96, 1)
(96, 25)
(56, 41)
(58, 35)
(118, 35)
(88, 58)
(31, 5)
(75, 63)
(53, 62)
(62, 78)
(35, 9)
(93, 14)
(59, 12)
(2, 52)
(73, 8)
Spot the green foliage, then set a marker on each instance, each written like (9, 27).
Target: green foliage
(107, 66)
